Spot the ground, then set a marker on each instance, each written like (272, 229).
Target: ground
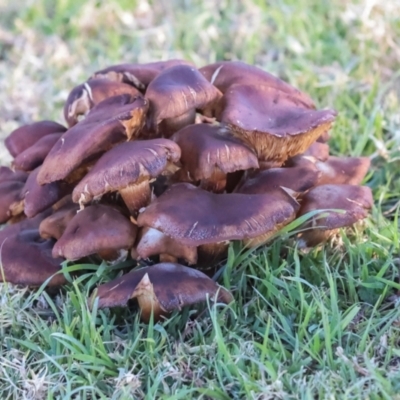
(323, 324)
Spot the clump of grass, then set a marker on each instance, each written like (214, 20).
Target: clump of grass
(322, 324)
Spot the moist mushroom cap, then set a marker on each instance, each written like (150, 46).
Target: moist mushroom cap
(177, 90)
(26, 260)
(298, 179)
(194, 216)
(272, 122)
(167, 286)
(108, 123)
(127, 164)
(85, 96)
(97, 228)
(316, 152)
(206, 147)
(25, 136)
(34, 156)
(227, 73)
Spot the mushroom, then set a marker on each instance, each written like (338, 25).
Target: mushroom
(34, 156)
(161, 289)
(174, 96)
(98, 229)
(316, 152)
(138, 75)
(7, 174)
(110, 122)
(209, 154)
(25, 136)
(9, 195)
(85, 96)
(128, 168)
(272, 122)
(26, 259)
(196, 217)
(354, 201)
(224, 74)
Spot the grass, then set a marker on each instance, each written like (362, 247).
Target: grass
(323, 324)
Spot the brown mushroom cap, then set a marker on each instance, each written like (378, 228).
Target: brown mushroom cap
(138, 75)
(108, 123)
(26, 260)
(177, 91)
(272, 122)
(34, 198)
(33, 156)
(346, 170)
(194, 216)
(9, 194)
(127, 164)
(355, 201)
(161, 288)
(298, 179)
(25, 136)
(55, 224)
(207, 149)
(98, 229)
(85, 96)
(224, 74)
(7, 174)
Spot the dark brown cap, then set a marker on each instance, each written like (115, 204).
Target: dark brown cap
(85, 96)
(177, 91)
(33, 156)
(110, 122)
(97, 229)
(138, 75)
(26, 260)
(272, 122)
(161, 288)
(25, 136)
(224, 74)
(208, 150)
(194, 216)
(126, 165)
(354, 201)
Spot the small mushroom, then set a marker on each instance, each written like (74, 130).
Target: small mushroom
(85, 96)
(25, 136)
(98, 229)
(272, 122)
(161, 289)
(316, 152)
(128, 168)
(354, 201)
(209, 154)
(26, 259)
(224, 74)
(174, 96)
(34, 156)
(9, 195)
(112, 121)
(138, 75)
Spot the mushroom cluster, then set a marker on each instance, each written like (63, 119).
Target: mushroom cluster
(169, 163)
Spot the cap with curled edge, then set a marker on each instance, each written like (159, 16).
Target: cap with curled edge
(112, 121)
(97, 229)
(354, 201)
(25, 136)
(209, 154)
(176, 93)
(224, 74)
(84, 97)
(138, 75)
(272, 122)
(128, 168)
(26, 260)
(195, 216)
(161, 288)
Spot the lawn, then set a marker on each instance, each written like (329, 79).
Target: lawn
(323, 324)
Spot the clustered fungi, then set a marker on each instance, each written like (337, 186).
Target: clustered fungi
(168, 161)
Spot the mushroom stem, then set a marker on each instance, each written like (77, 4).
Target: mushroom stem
(169, 126)
(216, 183)
(136, 196)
